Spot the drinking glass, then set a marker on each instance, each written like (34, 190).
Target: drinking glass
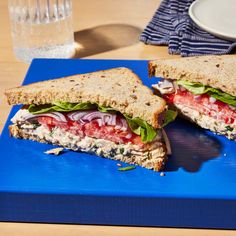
(41, 28)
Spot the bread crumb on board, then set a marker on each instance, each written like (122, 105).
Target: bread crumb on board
(54, 151)
(162, 174)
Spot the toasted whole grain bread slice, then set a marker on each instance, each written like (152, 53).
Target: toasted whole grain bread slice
(118, 88)
(216, 71)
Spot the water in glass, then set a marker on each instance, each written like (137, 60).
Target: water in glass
(42, 28)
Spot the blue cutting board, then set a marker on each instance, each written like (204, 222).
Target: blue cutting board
(198, 189)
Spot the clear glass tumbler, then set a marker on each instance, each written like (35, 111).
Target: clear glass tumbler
(41, 28)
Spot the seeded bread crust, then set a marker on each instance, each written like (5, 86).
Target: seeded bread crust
(216, 71)
(147, 161)
(119, 88)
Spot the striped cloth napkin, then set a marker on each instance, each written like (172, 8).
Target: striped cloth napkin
(172, 26)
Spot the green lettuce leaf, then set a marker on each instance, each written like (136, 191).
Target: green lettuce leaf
(137, 125)
(198, 89)
(142, 128)
(61, 107)
(169, 117)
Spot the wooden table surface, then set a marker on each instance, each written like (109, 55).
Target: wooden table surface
(103, 29)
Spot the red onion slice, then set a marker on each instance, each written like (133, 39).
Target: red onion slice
(94, 115)
(100, 123)
(58, 116)
(128, 136)
(78, 115)
(212, 100)
(118, 124)
(102, 118)
(113, 119)
(197, 97)
(124, 124)
(107, 118)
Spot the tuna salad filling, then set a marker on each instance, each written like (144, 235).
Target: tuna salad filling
(208, 107)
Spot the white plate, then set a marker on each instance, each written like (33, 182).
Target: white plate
(217, 17)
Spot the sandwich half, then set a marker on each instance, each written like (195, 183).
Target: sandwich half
(109, 113)
(202, 89)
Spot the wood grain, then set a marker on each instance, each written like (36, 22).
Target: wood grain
(115, 26)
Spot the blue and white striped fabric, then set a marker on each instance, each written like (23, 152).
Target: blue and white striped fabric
(172, 26)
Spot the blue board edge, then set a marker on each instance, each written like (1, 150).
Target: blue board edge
(105, 210)
(110, 210)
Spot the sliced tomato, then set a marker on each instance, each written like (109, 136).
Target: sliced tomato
(204, 104)
(76, 128)
(51, 122)
(92, 129)
(109, 132)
